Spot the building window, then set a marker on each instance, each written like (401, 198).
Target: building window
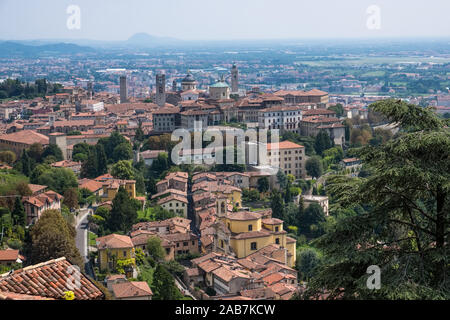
(277, 240)
(124, 253)
(250, 227)
(253, 246)
(185, 244)
(277, 228)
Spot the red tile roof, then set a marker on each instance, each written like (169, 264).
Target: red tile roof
(132, 289)
(114, 241)
(25, 137)
(50, 279)
(9, 255)
(284, 145)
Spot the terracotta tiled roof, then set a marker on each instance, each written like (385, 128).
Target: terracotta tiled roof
(42, 198)
(36, 188)
(18, 296)
(224, 274)
(89, 184)
(49, 280)
(258, 294)
(131, 289)
(243, 215)
(206, 240)
(142, 238)
(9, 255)
(252, 234)
(272, 221)
(65, 164)
(313, 92)
(114, 241)
(235, 298)
(284, 145)
(192, 272)
(25, 137)
(173, 191)
(173, 197)
(273, 278)
(208, 266)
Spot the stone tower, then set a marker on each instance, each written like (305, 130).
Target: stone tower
(221, 206)
(234, 79)
(90, 90)
(123, 89)
(60, 140)
(161, 90)
(174, 86)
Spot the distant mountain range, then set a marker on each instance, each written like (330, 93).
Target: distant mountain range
(146, 40)
(74, 46)
(12, 48)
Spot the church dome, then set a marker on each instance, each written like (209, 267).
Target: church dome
(220, 84)
(189, 78)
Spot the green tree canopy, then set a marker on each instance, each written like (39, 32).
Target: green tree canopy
(52, 237)
(314, 167)
(263, 184)
(7, 157)
(18, 214)
(52, 150)
(277, 204)
(154, 248)
(322, 142)
(307, 263)
(123, 213)
(71, 196)
(164, 287)
(123, 151)
(123, 170)
(58, 179)
(405, 228)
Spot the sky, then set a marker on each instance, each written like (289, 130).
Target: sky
(225, 19)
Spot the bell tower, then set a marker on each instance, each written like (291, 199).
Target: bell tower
(234, 79)
(161, 90)
(221, 207)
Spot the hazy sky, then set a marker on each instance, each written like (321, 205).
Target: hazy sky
(223, 19)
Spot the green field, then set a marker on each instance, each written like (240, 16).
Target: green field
(373, 61)
(374, 74)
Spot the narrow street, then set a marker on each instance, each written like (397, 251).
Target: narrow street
(82, 237)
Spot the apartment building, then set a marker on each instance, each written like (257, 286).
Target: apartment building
(289, 157)
(284, 118)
